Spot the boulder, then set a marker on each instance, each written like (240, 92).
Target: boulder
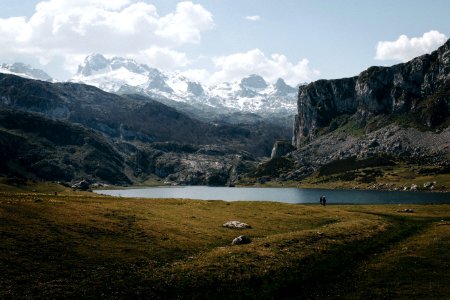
(429, 185)
(236, 224)
(82, 185)
(241, 240)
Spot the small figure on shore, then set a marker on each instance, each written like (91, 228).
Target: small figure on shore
(323, 200)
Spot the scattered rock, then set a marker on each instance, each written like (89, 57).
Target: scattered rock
(373, 143)
(241, 240)
(236, 224)
(429, 185)
(406, 210)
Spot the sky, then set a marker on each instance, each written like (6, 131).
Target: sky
(213, 41)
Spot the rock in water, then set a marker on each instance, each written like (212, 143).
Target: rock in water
(241, 240)
(236, 224)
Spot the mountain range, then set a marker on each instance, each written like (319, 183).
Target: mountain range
(251, 96)
(124, 76)
(144, 136)
(394, 119)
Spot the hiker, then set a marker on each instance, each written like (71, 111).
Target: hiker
(321, 200)
(324, 200)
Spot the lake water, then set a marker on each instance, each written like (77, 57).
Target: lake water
(286, 195)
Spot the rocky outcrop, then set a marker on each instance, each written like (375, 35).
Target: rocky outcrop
(409, 144)
(281, 148)
(420, 86)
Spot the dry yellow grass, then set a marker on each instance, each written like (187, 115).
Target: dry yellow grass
(81, 245)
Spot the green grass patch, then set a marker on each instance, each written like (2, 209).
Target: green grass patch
(73, 245)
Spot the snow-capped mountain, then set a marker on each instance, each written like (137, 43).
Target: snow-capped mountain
(251, 94)
(23, 70)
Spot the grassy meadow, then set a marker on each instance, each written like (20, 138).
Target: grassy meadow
(82, 245)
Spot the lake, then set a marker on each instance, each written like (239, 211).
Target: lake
(286, 195)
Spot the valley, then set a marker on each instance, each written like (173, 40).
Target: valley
(387, 128)
(202, 149)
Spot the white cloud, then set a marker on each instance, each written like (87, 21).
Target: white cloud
(62, 32)
(186, 24)
(72, 29)
(404, 48)
(236, 66)
(199, 75)
(162, 58)
(253, 18)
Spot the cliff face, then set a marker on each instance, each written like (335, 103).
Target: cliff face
(418, 86)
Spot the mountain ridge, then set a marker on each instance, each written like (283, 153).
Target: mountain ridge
(121, 75)
(401, 88)
(26, 71)
(380, 129)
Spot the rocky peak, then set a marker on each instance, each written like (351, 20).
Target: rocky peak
(25, 70)
(129, 64)
(418, 86)
(195, 88)
(283, 89)
(93, 64)
(253, 82)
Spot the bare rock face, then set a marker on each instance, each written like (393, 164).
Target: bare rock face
(420, 86)
(236, 224)
(281, 148)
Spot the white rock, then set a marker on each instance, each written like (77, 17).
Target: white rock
(236, 224)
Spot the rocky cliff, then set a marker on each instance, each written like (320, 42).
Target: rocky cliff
(388, 127)
(420, 86)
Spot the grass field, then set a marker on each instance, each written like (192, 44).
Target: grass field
(382, 178)
(81, 245)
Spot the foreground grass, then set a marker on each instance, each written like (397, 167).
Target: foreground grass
(86, 246)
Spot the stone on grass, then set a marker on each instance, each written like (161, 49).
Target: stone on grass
(240, 240)
(236, 224)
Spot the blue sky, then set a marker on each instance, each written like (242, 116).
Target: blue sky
(222, 40)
